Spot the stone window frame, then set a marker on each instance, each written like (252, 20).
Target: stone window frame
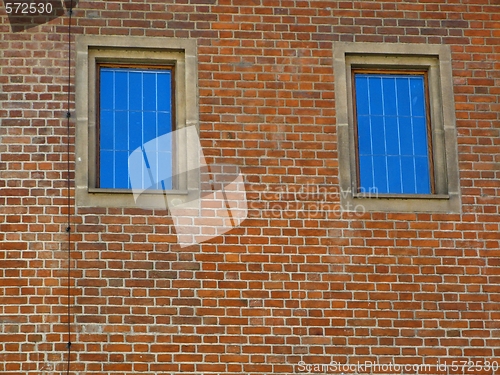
(436, 60)
(92, 50)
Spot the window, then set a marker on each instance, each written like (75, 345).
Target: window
(392, 132)
(135, 107)
(396, 127)
(132, 95)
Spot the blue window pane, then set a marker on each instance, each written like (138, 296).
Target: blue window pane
(149, 126)
(408, 175)
(135, 107)
(106, 169)
(405, 136)
(106, 95)
(394, 174)
(164, 123)
(392, 133)
(166, 184)
(164, 97)
(120, 90)
(417, 96)
(149, 96)
(375, 96)
(389, 96)
(362, 101)
(135, 129)
(378, 135)
(364, 135)
(165, 144)
(380, 174)
(135, 91)
(121, 132)
(106, 126)
(121, 170)
(403, 96)
(366, 173)
(421, 171)
(420, 136)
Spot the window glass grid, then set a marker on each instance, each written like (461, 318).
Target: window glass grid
(392, 133)
(135, 108)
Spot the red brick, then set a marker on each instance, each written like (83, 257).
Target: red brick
(291, 282)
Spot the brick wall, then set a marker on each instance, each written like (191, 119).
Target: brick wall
(299, 280)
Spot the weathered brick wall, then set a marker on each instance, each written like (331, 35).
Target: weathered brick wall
(300, 280)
